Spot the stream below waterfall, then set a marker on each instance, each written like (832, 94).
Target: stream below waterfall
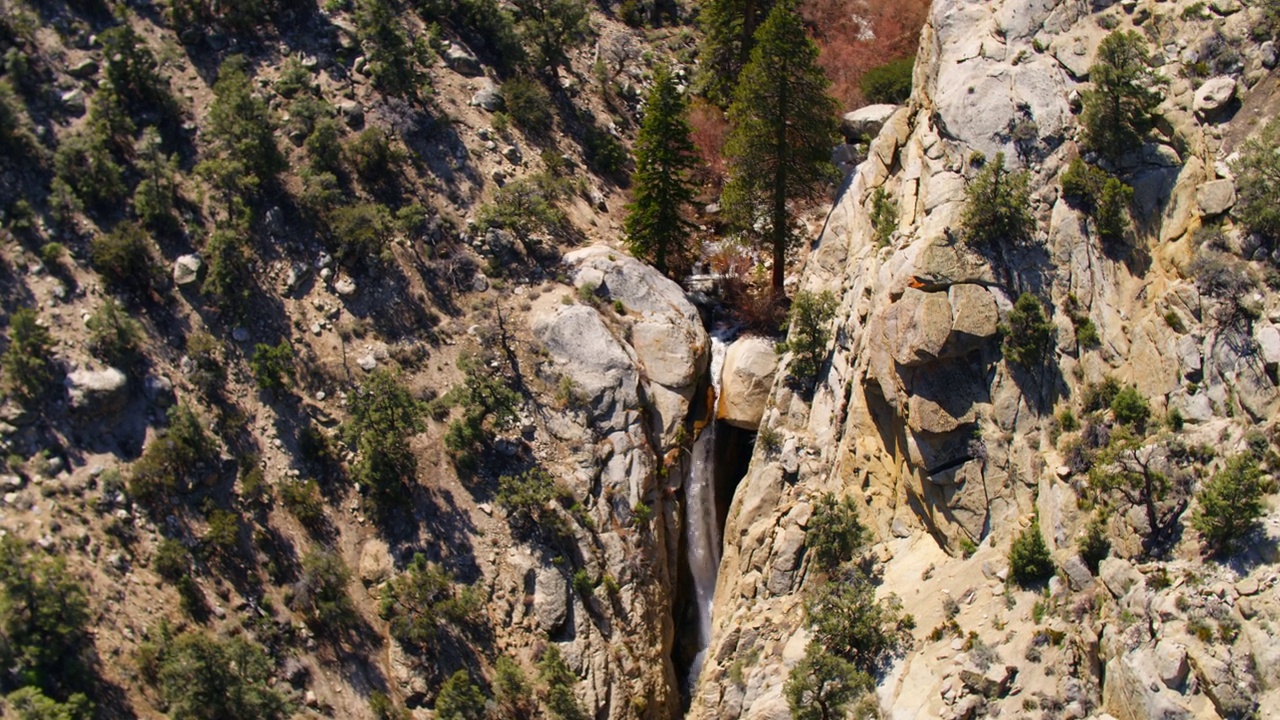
(702, 522)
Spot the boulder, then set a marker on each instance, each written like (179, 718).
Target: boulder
(749, 366)
(551, 600)
(583, 348)
(186, 269)
(865, 123)
(1268, 339)
(1216, 197)
(940, 264)
(1171, 664)
(917, 326)
(1118, 575)
(375, 562)
(95, 393)
(974, 315)
(1213, 96)
(1133, 691)
(462, 61)
(488, 96)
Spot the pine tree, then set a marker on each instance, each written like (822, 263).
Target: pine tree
(729, 27)
(665, 156)
(1118, 111)
(551, 28)
(784, 125)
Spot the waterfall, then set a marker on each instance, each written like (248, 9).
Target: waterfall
(702, 532)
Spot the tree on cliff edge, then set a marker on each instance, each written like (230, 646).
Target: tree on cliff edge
(784, 125)
(665, 156)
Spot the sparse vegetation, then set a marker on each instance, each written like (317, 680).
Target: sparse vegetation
(1029, 560)
(320, 595)
(1119, 110)
(835, 532)
(1230, 504)
(175, 458)
(28, 364)
(807, 342)
(1029, 335)
(996, 208)
(1257, 173)
(884, 215)
(425, 601)
(272, 365)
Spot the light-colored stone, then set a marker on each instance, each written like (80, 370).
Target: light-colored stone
(747, 376)
(488, 96)
(1214, 95)
(1216, 196)
(186, 269)
(461, 60)
(97, 393)
(551, 599)
(866, 122)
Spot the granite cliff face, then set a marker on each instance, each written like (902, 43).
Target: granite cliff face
(949, 446)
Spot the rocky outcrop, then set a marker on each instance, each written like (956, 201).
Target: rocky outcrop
(945, 443)
(628, 359)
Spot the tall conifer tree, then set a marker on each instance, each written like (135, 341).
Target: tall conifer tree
(729, 27)
(784, 125)
(665, 155)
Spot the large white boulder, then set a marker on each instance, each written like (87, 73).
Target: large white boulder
(749, 366)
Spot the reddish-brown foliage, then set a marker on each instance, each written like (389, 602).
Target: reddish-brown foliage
(857, 35)
(710, 128)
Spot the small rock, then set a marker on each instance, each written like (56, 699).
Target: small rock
(186, 269)
(512, 154)
(83, 69)
(865, 123)
(367, 362)
(462, 61)
(240, 335)
(316, 329)
(345, 286)
(73, 102)
(488, 97)
(1268, 54)
(310, 699)
(1248, 586)
(158, 390)
(352, 112)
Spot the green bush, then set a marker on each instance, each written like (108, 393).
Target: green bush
(375, 158)
(29, 703)
(460, 699)
(1093, 545)
(153, 199)
(228, 278)
(549, 28)
(884, 216)
(1230, 504)
(44, 621)
(850, 623)
(383, 417)
(222, 533)
(889, 83)
(1257, 172)
(561, 703)
(1029, 335)
(527, 496)
(821, 685)
(604, 152)
(425, 601)
(1119, 110)
(113, 335)
(1029, 560)
(208, 373)
(123, 258)
(16, 136)
(172, 560)
(302, 499)
(835, 533)
(272, 365)
(997, 206)
(362, 233)
(512, 693)
(1112, 213)
(1130, 408)
(486, 24)
(239, 132)
(524, 206)
(488, 404)
(28, 365)
(1097, 396)
(529, 105)
(807, 342)
(176, 456)
(386, 47)
(320, 595)
(203, 678)
(324, 146)
(84, 164)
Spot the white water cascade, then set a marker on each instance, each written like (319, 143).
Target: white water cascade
(701, 528)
